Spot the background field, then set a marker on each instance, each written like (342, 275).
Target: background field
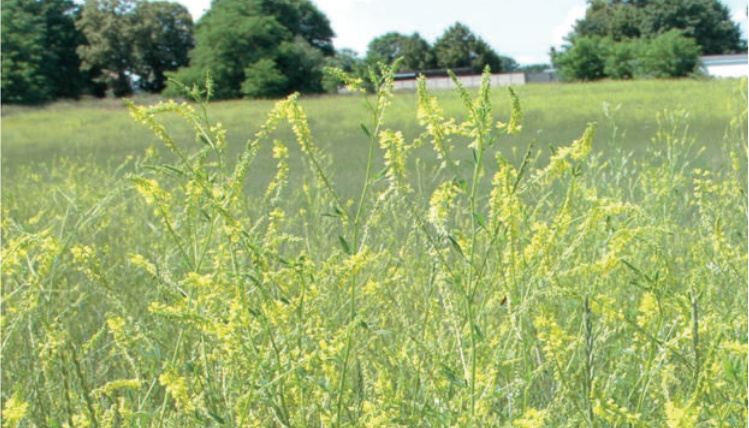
(596, 281)
(104, 133)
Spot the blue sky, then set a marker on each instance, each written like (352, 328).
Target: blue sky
(522, 29)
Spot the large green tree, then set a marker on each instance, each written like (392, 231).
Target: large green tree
(615, 19)
(134, 40)
(23, 37)
(259, 48)
(415, 51)
(109, 29)
(163, 39)
(39, 61)
(458, 47)
(708, 22)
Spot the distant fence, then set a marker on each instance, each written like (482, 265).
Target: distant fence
(473, 81)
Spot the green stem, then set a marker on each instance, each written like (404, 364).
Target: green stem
(472, 279)
(166, 393)
(587, 317)
(376, 122)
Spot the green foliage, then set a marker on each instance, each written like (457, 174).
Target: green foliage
(508, 64)
(62, 64)
(706, 21)
(129, 38)
(416, 52)
(535, 68)
(302, 65)
(620, 58)
(669, 55)
(234, 35)
(163, 37)
(39, 61)
(347, 61)
(263, 78)
(583, 60)
(458, 47)
(23, 36)
(615, 19)
(302, 18)
(490, 288)
(109, 28)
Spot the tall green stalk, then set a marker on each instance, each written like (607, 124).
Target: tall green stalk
(383, 82)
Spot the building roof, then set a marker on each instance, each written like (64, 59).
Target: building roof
(734, 59)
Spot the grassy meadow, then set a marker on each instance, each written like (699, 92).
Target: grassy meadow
(553, 256)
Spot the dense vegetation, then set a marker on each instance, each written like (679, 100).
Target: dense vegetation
(260, 48)
(457, 281)
(55, 49)
(669, 55)
(60, 49)
(708, 22)
(39, 61)
(646, 38)
(253, 48)
(457, 48)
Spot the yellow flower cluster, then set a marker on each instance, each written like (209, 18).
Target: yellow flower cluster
(14, 410)
(177, 388)
(440, 206)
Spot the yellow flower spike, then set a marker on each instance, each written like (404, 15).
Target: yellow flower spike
(14, 411)
(514, 127)
(531, 418)
(396, 153)
(430, 116)
(353, 84)
(681, 417)
(559, 162)
(276, 186)
(439, 206)
(176, 386)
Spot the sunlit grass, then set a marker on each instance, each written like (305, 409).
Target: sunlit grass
(471, 282)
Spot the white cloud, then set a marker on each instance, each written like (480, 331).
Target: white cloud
(561, 31)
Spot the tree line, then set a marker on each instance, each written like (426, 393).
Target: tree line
(267, 48)
(252, 48)
(58, 49)
(623, 39)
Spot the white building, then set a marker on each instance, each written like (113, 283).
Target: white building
(726, 65)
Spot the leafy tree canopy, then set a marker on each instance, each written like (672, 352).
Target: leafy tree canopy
(671, 54)
(108, 27)
(416, 52)
(39, 61)
(163, 39)
(134, 38)
(707, 21)
(259, 48)
(458, 47)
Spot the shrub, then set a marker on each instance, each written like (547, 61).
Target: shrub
(583, 60)
(669, 55)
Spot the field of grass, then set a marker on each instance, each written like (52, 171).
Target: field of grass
(104, 133)
(412, 259)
